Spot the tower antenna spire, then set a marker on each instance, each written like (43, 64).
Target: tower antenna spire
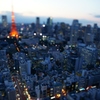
(12, 6)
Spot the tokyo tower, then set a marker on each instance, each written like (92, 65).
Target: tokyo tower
(14, 33)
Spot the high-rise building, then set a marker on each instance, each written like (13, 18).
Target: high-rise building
(4, 20)
(95, 28)
(89, 55)
(37, 90)
(38, 27)
(22, 66)
(88, 29)
(28, 67)
(44, 90)
(74, 32)
(74, 63)
(37, 20)
(49, 25)
(96, 34)
(89, 37)
(11, 93)
(49, 21)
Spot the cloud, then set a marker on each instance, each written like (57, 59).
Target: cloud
(20, 18)
(97, 16)
(29, 13)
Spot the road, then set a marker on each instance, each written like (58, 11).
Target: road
(21, 90)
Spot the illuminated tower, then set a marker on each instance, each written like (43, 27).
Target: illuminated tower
(14, 32)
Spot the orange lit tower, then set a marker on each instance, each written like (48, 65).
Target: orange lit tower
(14, 32)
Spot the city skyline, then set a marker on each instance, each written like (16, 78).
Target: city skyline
(86, 12)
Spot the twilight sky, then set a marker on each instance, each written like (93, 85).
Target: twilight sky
(87, 11)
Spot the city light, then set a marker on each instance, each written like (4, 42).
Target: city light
(30, 26)
(43, 25)
(81, 89)
(63, 91)
(18, 98)
(53, 97)
(8, 36)
(40, 34)
(49, 60)
(22, 29)
(58, 95)
(35, 34)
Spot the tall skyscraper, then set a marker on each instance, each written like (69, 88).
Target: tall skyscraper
(37, 20)
(95, 32)
(74, 32)
(4, 20)
(49, 25)
(38, 26)
(14, 32)
(49, 21)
